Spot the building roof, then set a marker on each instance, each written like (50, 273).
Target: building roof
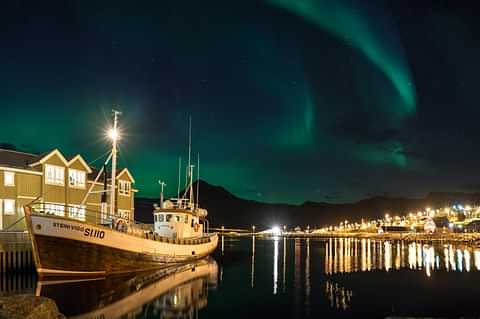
(22, 160)
(42, 158)
(16, 159)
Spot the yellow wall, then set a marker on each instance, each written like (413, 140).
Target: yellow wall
(29, 187)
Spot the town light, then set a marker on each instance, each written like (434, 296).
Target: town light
(276, 230)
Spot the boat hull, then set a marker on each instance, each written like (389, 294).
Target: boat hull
(68, 248)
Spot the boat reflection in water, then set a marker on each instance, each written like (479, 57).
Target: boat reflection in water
(346, 255)
(176, 292)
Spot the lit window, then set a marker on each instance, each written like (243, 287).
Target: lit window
(76, 178)
(55, 175)
(124, 213)
(124, 188)
(9, 206)
(56, 209)
(9, 178)
(76, 212)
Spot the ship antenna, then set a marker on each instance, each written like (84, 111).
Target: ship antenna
(162, 184)
(114, 136)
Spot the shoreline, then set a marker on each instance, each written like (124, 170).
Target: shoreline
(470, 238)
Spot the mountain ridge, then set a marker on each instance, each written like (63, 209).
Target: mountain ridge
(230, 210)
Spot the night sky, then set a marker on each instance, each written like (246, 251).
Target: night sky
(291, 100)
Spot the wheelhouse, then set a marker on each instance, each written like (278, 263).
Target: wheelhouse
(175, 220)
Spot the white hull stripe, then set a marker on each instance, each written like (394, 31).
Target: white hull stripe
(68, 272)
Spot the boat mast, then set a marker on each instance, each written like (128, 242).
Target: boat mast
(114, 136)
(190, 166)
(179, 179)
(198, 178)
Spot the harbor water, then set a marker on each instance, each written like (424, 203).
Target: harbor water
(290, 278)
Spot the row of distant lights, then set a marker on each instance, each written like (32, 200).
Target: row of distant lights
(428, 212)
(276, 230)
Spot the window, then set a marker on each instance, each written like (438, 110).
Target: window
(77, 212)
(76, 178)
(104, 219)
(160, 218)
(9, 178)
(54, 175)
(124, 188)
(168, 218)
(186, 219)
(177, 218)
(56, 209)
(9, 206)
(124, 213)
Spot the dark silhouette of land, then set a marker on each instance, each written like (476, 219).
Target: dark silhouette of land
(229, 210)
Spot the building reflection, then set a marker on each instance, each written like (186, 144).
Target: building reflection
(284, 267)
(223, 244)
(297, 284)
(275, 265)
(176, 292)
(339, 297)
(307, 276)
(17, 283)
(252, 272)
(345, 255)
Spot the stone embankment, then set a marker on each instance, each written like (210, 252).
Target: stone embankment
(28, 307)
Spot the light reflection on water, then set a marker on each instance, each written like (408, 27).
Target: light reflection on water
(346, 255)
(286, 277)
(349, 255)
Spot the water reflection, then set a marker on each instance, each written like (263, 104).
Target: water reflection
(17, 283)
(275, 265)
(339, 297)
(284, 267)
(345, 255)
(176, 292)
(307, 276)
(252, 271)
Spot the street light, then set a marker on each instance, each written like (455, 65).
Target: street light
(113, 134)
(276, 230)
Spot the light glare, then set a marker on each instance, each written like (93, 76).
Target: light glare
(113, 134)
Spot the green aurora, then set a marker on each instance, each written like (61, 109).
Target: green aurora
(290, 100)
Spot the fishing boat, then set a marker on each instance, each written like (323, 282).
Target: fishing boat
(68, 247)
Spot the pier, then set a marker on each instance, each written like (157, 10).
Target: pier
(16, 253)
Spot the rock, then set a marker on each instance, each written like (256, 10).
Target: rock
(28, 307)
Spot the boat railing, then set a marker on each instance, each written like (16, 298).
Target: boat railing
(93, 217)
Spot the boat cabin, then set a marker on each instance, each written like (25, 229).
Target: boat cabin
(177, 222)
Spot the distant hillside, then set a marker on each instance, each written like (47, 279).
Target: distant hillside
(226, 209)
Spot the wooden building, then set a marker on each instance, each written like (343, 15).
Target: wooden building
(60, 184)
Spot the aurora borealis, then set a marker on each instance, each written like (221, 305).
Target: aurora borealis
(291, 100)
